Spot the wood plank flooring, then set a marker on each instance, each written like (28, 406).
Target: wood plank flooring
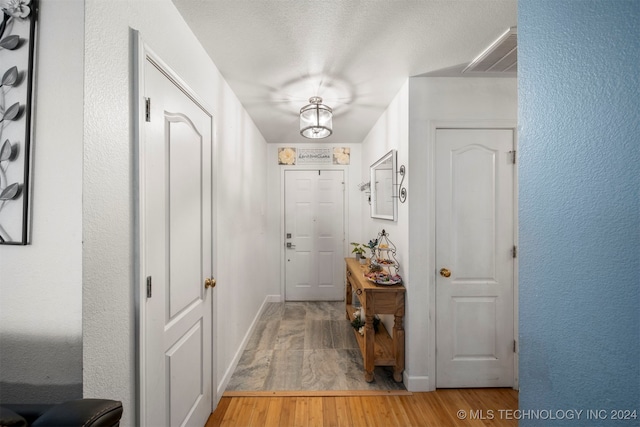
(440, 408)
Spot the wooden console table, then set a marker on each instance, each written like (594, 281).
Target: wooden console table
(378, 349)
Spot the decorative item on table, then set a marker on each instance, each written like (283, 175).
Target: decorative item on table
(359, 249)
(382, 278)
(374, 267)
(359, 322)
(372, 246)
(384, 266)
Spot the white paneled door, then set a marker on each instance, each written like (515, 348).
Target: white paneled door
(177, 237)
(474, 258)
(314, 235)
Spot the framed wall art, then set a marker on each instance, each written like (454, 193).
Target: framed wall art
(17, 50)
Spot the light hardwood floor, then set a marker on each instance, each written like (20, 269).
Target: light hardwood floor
(440, 408)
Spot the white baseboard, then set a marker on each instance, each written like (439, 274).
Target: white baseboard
(224, 382)
(417, 384)
(273, 298)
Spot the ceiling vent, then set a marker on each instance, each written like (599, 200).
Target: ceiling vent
(500, 57)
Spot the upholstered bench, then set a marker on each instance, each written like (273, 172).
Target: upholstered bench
(75, 413)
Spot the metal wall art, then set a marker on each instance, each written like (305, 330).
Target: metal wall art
(17, 39)
(402, 191)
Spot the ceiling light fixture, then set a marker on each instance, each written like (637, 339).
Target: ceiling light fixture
(316, 119)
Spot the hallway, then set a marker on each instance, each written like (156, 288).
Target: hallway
(305, 346)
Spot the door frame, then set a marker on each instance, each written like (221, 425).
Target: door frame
(141, 53)
(433, 126)
(345, 215)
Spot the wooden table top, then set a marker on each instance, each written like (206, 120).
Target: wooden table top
(359, 270)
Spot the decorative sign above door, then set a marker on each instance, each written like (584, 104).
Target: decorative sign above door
(314, 156)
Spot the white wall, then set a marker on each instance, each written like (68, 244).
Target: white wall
(41, 284)
(241, 224)
(108, 221)
(433, 101)
(391, 131)
(353, 202)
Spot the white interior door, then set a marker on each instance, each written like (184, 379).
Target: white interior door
(474, 258)
(176, 222)
(314, 235)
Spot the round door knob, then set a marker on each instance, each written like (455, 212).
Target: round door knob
(444, 272)
(209, 282)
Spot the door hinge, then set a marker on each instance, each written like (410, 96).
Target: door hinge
(512, 154)
(515, 346)
(147, 109)
(148, 286)
(514, 251)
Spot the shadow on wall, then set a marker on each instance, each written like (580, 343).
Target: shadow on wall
(40, 370)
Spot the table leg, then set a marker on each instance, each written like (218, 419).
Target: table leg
(348, 296)
(398, 347)
(369, 343)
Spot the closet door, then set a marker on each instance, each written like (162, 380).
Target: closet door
(474, 258)
(176, 255)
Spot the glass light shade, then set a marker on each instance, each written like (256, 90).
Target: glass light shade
(316, 119)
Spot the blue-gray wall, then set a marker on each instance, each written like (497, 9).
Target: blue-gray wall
(579, 213)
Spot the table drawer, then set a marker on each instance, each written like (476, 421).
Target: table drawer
(355, 283)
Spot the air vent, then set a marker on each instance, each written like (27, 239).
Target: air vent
(500, 57)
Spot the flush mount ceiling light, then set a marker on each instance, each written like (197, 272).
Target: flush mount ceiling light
(316, 119)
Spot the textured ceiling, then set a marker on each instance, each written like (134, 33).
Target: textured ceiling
(275, 54)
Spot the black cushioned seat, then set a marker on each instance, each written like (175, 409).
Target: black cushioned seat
(75, 413)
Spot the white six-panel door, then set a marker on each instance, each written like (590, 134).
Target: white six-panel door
(314, 227)
(176, 165)
(474, 258)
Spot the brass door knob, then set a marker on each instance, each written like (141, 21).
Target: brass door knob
(444, 272)
(209, 282)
